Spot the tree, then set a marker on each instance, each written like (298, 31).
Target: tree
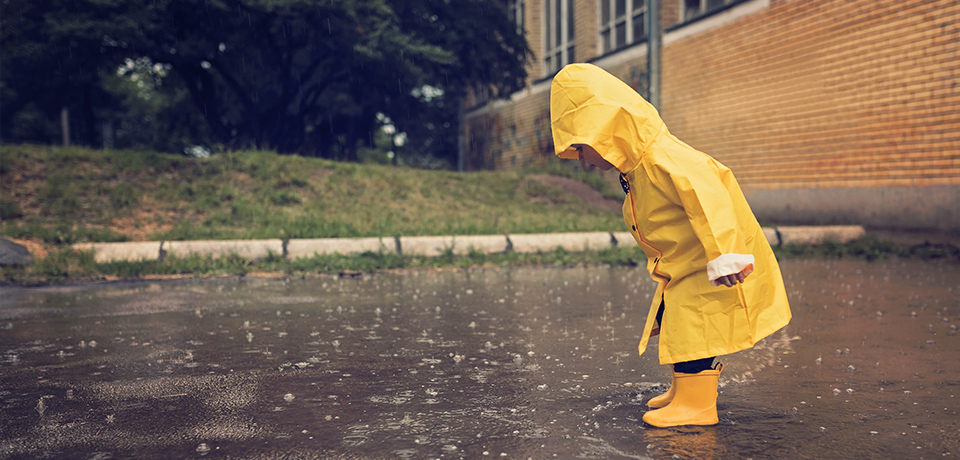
(305, 76)
(52, 56)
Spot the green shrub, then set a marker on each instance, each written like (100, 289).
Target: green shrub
(9, 209)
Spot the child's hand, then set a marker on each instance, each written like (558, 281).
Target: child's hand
(731, 280)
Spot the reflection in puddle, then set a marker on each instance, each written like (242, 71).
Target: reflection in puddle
(526, 362)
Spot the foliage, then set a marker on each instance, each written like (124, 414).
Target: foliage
(603, 181)
(66, 265)
(870, 248)
(76, 195)
(53, 55)
(294, 76)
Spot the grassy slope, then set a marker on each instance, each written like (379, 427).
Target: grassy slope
(51, 197)
(66, 195)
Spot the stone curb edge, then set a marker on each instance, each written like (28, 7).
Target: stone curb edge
(424, 245)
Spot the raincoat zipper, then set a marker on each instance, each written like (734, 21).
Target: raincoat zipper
(633, 213)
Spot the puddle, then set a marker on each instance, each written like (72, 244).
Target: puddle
(506, 363)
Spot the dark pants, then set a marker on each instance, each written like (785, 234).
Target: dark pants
(687, 367)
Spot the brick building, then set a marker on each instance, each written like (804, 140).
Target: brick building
(828, 111)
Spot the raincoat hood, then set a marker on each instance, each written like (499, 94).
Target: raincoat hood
(590, 106)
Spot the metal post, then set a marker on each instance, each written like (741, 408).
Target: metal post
(461, 135)
(654, 47)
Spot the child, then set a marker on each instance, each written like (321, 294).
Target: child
(719, 286)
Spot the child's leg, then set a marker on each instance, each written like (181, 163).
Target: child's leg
(694, 367)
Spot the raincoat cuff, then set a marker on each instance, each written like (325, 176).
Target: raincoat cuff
(729, 264)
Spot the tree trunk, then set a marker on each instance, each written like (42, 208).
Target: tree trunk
(65, 125)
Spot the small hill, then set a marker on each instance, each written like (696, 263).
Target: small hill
(55, 195)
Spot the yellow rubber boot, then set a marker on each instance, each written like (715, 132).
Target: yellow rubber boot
(694, 401)
(665, 398)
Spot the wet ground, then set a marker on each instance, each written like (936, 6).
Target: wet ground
(495, 363)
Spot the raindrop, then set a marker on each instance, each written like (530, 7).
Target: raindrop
(249, 337)
(41, 407)
(289, 397)
(203, 449)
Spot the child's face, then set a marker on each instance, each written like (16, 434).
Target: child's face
(589, 156)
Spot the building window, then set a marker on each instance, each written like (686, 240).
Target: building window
(694, 8)
(558, 40)
(621, 23)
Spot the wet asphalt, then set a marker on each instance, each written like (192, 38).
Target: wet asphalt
(483, 363)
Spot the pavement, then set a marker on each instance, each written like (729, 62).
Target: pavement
(504, 362)
(426, 245)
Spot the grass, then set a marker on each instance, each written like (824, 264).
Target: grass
(54, 197)
(66, 265)
(67, 195)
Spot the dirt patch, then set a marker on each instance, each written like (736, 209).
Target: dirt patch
(584, 191)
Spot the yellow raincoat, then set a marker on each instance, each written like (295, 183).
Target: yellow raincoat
(687, 213)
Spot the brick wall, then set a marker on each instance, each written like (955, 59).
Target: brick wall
(824, 94)
(509, 136)
(807, 101)
(587, 20)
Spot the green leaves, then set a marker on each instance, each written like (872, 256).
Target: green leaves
(300, 76)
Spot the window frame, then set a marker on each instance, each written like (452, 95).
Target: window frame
(608, 35)
(558, 50)
(703, 8)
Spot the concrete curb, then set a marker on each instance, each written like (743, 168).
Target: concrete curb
(436, 245)
(570, 241)
(125, 252)
(425, 245)
(297, 249)
(248, 249)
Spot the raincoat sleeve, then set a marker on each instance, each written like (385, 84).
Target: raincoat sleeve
(695, 184)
